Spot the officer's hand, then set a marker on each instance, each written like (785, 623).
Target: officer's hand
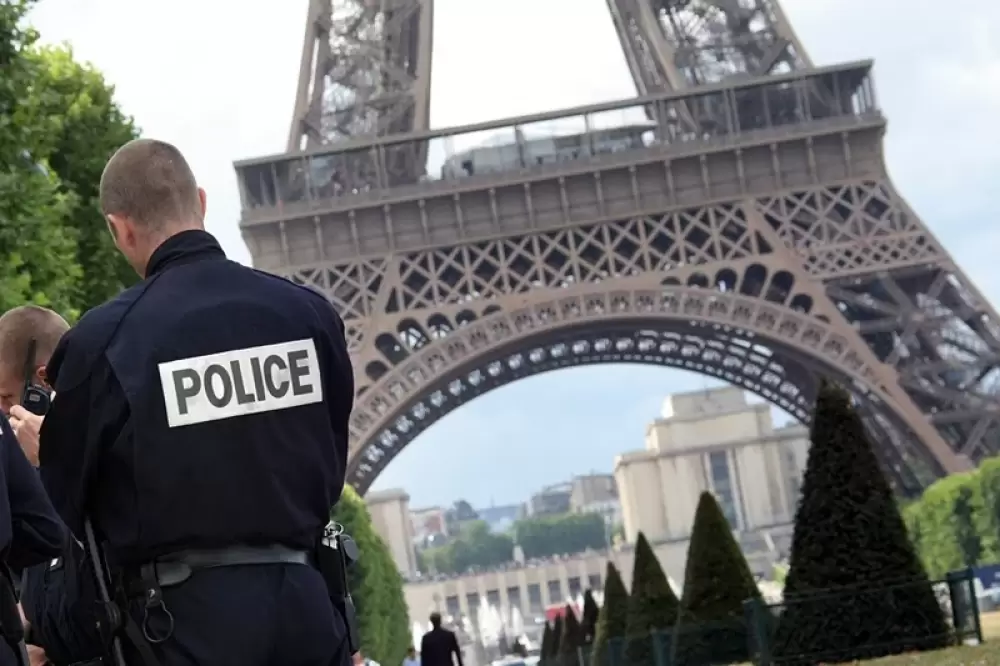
(26, 427)
(36, 656)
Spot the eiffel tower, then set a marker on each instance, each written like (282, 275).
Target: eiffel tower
(734, 219)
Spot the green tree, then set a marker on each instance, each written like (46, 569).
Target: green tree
(37, 251)
(475, 546)
(947, 524)
(652, 606)
(571, 638)
(589, 622)
(377, 587)
(560, 535)
(610, 632)
(716, 583)
(81, 126)
(849, 535)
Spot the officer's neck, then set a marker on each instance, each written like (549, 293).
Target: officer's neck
(183, 242)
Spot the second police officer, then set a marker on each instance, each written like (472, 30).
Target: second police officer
(59, 596)
(200, 421)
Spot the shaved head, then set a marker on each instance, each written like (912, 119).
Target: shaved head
(29, 322)
(18, 327)
(149, 183)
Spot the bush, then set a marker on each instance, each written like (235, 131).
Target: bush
(545, 650)
(589, 623)
(377, 587)
(849, 535)
(652, 606)
(570, 640)
(717, 580)
(609, 633)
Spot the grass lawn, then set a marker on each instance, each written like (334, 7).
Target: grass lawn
(982, 655)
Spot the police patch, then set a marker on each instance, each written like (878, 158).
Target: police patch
(241, 382)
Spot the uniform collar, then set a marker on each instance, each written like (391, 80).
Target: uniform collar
(183, 248)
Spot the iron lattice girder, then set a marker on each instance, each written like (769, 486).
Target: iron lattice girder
(751, 233)
(795, 250)
(673, 326)
(366, 64)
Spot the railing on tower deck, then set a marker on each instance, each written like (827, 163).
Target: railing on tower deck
(365, 170)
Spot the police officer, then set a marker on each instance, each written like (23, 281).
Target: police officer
(200, 421)
(59, 597)
(30, 533)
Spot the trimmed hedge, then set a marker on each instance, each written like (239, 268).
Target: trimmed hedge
(849, 534)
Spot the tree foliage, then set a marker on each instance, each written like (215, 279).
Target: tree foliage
(571, 638)
(83, 126)
(588, 623)
(716, 583)
(566, 534)
(377, 587)
(58, 125)
(37, 251)
(956, 523)
(475, 547)
(611, 621)
(652, 606)
(849, 535)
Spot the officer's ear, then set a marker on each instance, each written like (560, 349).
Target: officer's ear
(203, 201)
(42, 376)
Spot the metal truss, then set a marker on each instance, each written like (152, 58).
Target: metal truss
(787, 277)
(790, 258)
(365, 70)
(366, 64)
(677, 45)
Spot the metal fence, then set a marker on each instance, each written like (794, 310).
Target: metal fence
(758, 637)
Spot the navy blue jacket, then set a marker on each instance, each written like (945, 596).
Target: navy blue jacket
(204, 407)
(30, 530)
(60, 600)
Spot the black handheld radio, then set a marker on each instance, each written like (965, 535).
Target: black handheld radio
(34, 398)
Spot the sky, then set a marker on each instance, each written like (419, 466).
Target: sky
(217, 78)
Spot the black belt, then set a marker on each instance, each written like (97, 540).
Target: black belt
(176, 568)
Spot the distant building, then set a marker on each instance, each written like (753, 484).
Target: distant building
(551, 501)
(430, 526)
(390, 512)
(596, 493)
(712, 440)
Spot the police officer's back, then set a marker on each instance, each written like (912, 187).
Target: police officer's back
(214, 401)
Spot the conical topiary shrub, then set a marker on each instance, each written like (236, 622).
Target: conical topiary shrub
(545, 649)
(571, 639)
(652, 608)
(855, 588)
(609, 635)
(717, 580)
(589, 623)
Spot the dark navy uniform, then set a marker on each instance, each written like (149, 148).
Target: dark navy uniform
(204, 411)
(30, 530)
(60, 601)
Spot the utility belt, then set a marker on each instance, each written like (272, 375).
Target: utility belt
(146, 583)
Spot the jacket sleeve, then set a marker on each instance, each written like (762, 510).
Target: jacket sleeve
(38, 534)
